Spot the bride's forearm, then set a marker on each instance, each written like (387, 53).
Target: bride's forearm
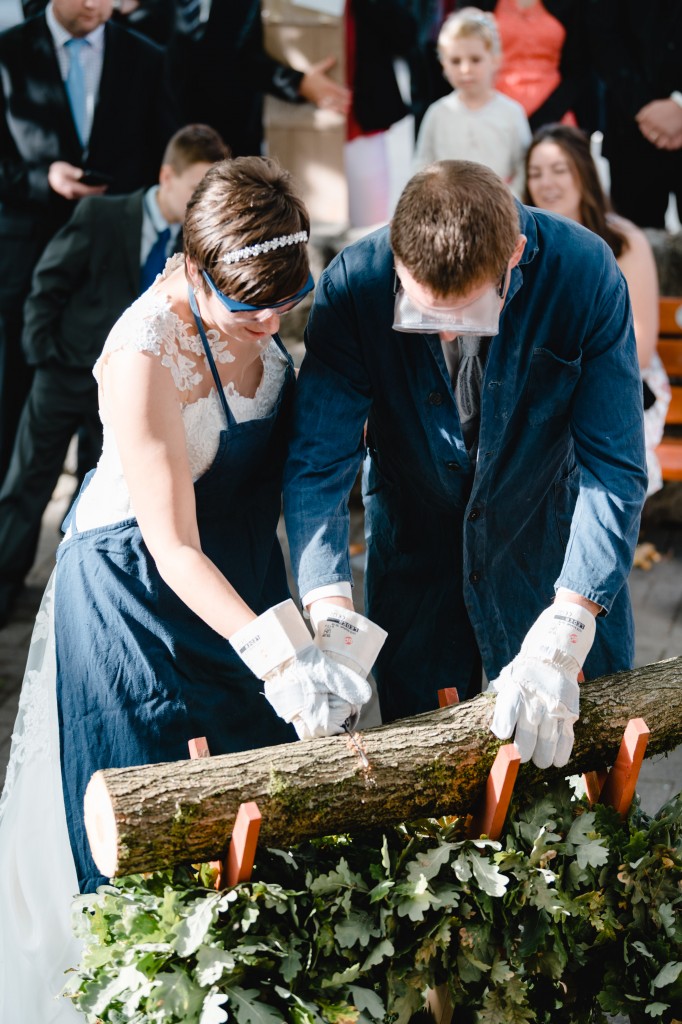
(203, 588)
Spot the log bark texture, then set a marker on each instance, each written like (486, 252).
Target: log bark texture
(143, 818)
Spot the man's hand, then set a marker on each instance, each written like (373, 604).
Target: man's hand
(326, 94)
(305, 687)
(661, 123)
(346, 636)
(538, 693)
(64, 179)
(317, 695)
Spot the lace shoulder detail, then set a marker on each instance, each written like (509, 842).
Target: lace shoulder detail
(150, 325)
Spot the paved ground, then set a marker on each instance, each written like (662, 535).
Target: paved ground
(657, 598)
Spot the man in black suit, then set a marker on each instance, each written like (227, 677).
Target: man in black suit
(93, 268)
(637, 53)
(153, 18)
(221, 71)
(122, 118)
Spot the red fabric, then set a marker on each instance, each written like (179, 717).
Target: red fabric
(532, 41)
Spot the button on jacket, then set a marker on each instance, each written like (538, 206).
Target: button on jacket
(462, 558)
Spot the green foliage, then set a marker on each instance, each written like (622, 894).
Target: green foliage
(572, 915)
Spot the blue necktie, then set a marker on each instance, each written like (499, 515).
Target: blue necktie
(156, 260)
(75, 87)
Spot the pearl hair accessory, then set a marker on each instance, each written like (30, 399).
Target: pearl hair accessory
(255, 250)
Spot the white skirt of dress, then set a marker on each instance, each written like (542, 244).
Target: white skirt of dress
(37, 873)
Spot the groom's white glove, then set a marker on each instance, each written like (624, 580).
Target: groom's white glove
(346, 636)
(314, 693)
(538, 692)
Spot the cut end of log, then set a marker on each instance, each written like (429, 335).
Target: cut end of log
(100, 825)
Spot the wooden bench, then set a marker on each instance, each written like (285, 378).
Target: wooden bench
(670, 350)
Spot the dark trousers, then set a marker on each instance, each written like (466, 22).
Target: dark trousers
(61, 401)
(20, 253)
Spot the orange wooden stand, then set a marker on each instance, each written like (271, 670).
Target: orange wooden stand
(238, 863)
(489, 813)
(616, 788)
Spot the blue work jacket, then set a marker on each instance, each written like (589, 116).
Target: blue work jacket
(462, 558)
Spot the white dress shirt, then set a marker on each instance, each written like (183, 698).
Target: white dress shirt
(92, 59)
(153, 223)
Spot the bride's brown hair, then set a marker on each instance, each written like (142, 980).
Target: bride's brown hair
(240, 203)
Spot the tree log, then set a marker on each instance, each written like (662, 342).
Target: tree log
(143, 818)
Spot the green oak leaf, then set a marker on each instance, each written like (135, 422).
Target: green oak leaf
(356, 929)
(418, 899)
(656, 1009)
(367, 1000)
(212, 963)
(212, 1011)
(383, 949)
(193, 928)
(429, 863)
(247, 1009)
(668, 974)
(291, 964)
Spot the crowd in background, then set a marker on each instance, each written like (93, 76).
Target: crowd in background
(475, 355)
(84, 121)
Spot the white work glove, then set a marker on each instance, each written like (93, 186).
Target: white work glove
(538, 692)
(346, 636)
(317, 695)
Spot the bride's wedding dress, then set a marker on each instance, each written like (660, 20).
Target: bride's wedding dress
(37, 874)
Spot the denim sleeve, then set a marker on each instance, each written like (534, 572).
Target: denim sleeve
(330, 410)
(608, 434)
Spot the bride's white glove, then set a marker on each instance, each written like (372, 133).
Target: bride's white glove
(317, 695)
(538, 692)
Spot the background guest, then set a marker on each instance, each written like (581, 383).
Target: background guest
(638, 55)
(474, 122)
(76, 92)
(381, 36)
(562, 177)
(221, 71)
(544, 57)
(108, 252)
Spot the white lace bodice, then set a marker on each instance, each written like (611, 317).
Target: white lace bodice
(150, 325)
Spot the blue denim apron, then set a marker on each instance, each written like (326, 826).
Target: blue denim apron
(138, 673)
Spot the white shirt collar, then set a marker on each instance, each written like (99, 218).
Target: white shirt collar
(60, 36)
(153, 209)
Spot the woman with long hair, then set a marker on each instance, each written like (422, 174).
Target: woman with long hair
(561, 176)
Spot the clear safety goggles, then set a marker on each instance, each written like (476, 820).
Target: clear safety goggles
(481, 317)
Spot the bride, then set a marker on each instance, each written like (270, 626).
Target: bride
(169, 600)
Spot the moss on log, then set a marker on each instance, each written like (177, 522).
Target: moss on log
(143, 818)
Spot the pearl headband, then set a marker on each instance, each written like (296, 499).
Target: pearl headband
(260, 247)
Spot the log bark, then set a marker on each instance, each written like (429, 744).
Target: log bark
(143, 818)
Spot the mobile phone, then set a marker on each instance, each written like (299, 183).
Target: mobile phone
(92, 177)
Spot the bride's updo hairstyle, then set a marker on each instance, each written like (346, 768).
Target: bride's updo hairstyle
(241, 203)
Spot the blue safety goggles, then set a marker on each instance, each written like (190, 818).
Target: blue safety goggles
(245, 307)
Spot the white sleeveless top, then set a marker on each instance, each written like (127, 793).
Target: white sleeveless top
(149, 325)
